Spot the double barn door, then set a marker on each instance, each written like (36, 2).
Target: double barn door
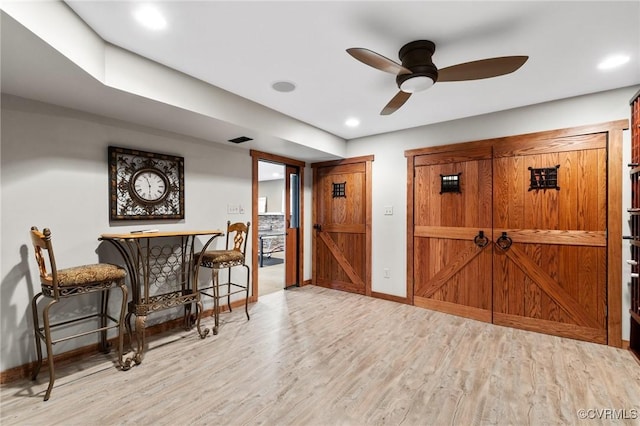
(513, 231)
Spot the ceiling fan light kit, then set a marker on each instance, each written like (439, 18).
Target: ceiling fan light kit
(416, 83)
(417, 71)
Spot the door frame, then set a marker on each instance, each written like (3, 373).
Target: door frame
(257, 156)
(614, 133)
(367, 159)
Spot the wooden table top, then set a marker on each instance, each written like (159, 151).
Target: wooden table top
(157, 234)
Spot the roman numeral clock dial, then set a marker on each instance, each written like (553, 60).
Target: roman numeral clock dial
(149, 185)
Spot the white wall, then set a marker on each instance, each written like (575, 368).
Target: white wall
(390, 169)
(274, 191)
(54, 174)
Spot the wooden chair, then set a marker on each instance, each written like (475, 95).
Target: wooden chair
(234, 255)
(57, 284)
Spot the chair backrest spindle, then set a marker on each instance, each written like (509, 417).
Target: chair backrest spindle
(41, 243)
(240, 236)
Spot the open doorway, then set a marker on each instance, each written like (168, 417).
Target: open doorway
(271, 227)
(277, 215)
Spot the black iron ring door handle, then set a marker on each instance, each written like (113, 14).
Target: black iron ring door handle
(481, 240)
(504, 242)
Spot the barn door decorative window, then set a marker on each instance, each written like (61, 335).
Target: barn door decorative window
(450, 183)
(339, 190)
(544, 178)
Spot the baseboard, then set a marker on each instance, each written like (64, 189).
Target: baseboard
(307, 282)
(390, 297)
(24, 371)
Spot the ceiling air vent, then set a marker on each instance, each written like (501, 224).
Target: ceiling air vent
(240, 139)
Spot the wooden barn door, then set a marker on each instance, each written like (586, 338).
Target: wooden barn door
(342, 225)
(550, 267)
(550, 204)
(452, 233)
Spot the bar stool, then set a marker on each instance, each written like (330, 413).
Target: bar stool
(71, 282)
(234, 255)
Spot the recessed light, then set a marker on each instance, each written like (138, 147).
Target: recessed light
(352, 122)
(613, 62)
(283, 86)
(150, 17)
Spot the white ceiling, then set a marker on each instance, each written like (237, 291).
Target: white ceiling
(270, 171)
(244, 47)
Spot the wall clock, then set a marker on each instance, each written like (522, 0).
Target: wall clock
(145, 185)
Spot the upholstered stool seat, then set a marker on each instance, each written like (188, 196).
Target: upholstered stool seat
(221, 258)
(90, 274)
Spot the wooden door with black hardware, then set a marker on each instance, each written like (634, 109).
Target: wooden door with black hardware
(553, 214)
(551, 274)
(453, 232)
(342, 224)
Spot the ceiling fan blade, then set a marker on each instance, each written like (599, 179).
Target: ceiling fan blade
(377, 61)
(484, 68)
(395, 103)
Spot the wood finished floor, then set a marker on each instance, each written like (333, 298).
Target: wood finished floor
(271, 278)
(312, 356)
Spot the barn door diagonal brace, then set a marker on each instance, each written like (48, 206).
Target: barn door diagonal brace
(550, 287)
(445, 274)
(340, 258)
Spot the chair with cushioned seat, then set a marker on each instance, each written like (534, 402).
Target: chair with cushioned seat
(58, 284)
(232, 256)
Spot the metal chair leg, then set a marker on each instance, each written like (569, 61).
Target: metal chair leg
(47, 334)
(36, 330)
(229, 290)
(105, 347)
(216, 300)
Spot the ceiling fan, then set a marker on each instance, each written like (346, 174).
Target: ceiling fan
(417, 71)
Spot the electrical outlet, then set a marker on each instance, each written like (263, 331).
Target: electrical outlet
(387, 273)
(388, 210)
(233, 209)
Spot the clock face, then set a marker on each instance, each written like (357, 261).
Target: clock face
(149, 185)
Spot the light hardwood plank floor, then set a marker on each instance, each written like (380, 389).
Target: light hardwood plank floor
(312, 356)
(271, 278)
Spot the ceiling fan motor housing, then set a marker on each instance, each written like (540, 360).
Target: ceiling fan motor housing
(416, 56)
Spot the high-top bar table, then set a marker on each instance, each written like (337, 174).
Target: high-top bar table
(165, 260)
